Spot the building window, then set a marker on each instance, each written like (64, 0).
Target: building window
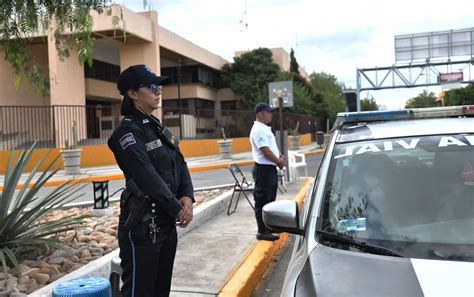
(102, 71)
(197, 107)
(204, 108)
(229, 105)
(194, 74)
(171, 106)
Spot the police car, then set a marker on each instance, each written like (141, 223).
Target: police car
(391, 210)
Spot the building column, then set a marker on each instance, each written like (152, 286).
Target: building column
(67, 87)
(147, 53)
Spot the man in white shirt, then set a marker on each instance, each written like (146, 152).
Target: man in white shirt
(266, 156)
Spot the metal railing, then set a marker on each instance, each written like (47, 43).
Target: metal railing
(51, 126)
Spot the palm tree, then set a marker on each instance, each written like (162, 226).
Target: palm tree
(23, 225)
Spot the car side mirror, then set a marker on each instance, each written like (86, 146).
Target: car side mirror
(282, 216)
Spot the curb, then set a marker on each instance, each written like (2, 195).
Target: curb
(219, 165)
(246, 278)
(314, 152)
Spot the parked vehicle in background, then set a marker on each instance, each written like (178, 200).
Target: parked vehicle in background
(391, 210)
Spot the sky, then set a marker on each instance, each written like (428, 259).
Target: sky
(336, 37)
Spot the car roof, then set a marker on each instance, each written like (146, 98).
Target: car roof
(405, 128)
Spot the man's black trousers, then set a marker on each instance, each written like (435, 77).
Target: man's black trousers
(266, 186)
(147, 266)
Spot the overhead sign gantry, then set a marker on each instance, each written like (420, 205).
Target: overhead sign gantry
(422, 59)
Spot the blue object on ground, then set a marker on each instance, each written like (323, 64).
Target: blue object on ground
(87, 286)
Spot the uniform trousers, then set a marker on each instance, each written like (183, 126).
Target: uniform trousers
(266, 186)
(147, 267)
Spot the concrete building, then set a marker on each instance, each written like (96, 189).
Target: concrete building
(198, 93)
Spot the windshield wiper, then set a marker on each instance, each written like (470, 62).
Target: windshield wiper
(363, 246)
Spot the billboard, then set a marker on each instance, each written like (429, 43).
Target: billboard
(449, 78)
(440, 44)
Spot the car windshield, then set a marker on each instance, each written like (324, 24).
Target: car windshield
(412, 195)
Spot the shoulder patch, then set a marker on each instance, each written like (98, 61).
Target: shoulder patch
(127, 140)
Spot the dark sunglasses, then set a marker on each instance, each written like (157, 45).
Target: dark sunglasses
(152, 87)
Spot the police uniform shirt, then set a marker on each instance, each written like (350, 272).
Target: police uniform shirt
(144, 155)
(260, 136)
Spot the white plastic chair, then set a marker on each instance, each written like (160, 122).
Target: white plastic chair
(296, 162)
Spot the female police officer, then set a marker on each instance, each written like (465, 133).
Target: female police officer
(159, 193)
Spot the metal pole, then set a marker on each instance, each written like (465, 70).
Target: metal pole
(179, 99)
(282, 135)
(358, 86)
(280, 112)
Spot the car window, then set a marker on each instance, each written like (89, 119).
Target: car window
(414, 195)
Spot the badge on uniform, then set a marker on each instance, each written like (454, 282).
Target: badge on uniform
(153, 145)
(127, 140)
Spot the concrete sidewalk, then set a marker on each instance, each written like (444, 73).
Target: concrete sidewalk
(209, 258)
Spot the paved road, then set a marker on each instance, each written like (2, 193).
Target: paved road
(272, 282)
(200, 179)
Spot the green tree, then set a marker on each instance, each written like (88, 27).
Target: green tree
(462, 96)
(248, 76)
(294, 67)
(424, 99)
(21, 20)
(368, 104)
(329, 93)
(25, 230)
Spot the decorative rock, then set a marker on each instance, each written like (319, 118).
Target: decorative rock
(71, 232)
(84, 253)
(84, 238)
(4, 292)
(75, 267)
(108, 240)
(29, 286)
(85, 260)
(57, 276)
(101, 245)
(18, 294)
(100, 228)
(111, 231)
(106, 212)
(61, 253)
(96, 251)
(23, 279)
(12, 283)
(48, 268)
(67, 238)
(57, 260)
(29, 263)
(74, 258)
(88, 230)
(40, 278)
(23, 268)
(97, 233)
